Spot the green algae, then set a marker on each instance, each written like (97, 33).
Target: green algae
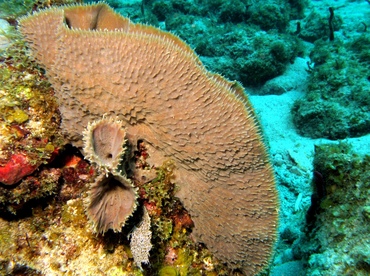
(5, 235)
(15, 8)
(11, 10)
(42, 184)
(160, 189)
(168, 271)
(17, 116)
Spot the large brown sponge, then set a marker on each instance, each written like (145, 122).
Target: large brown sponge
(100, 63)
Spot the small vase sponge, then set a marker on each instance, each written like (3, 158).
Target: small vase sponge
(112, 199)
(104, 143)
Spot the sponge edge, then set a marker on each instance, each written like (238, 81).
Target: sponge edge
(104, 143)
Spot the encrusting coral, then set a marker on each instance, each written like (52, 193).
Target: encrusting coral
(99, 63)
(29, 119)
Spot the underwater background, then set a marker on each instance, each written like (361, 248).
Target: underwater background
(305, 67)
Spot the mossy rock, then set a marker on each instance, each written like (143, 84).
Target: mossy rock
(329, 119)
(297, 8)
(361, 47)
(162, 10)
(337, 103)
(272, 53)
(315, 26)
(342, 225)
(270, 16)
(233, 11)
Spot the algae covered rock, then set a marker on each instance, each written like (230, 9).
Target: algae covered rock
(271, 55)
(270, 16)
(337, 102)
(342, 228)
(29, 125)
(315, 26)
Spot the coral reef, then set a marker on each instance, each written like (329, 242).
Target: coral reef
(270, 16)
(15, 169)
(29, 130)
(337, 102)
(339, 242)
(158, 88)
(269, 59)
(58, 239)
(41, 184)
(315, 26)
(29, 122)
